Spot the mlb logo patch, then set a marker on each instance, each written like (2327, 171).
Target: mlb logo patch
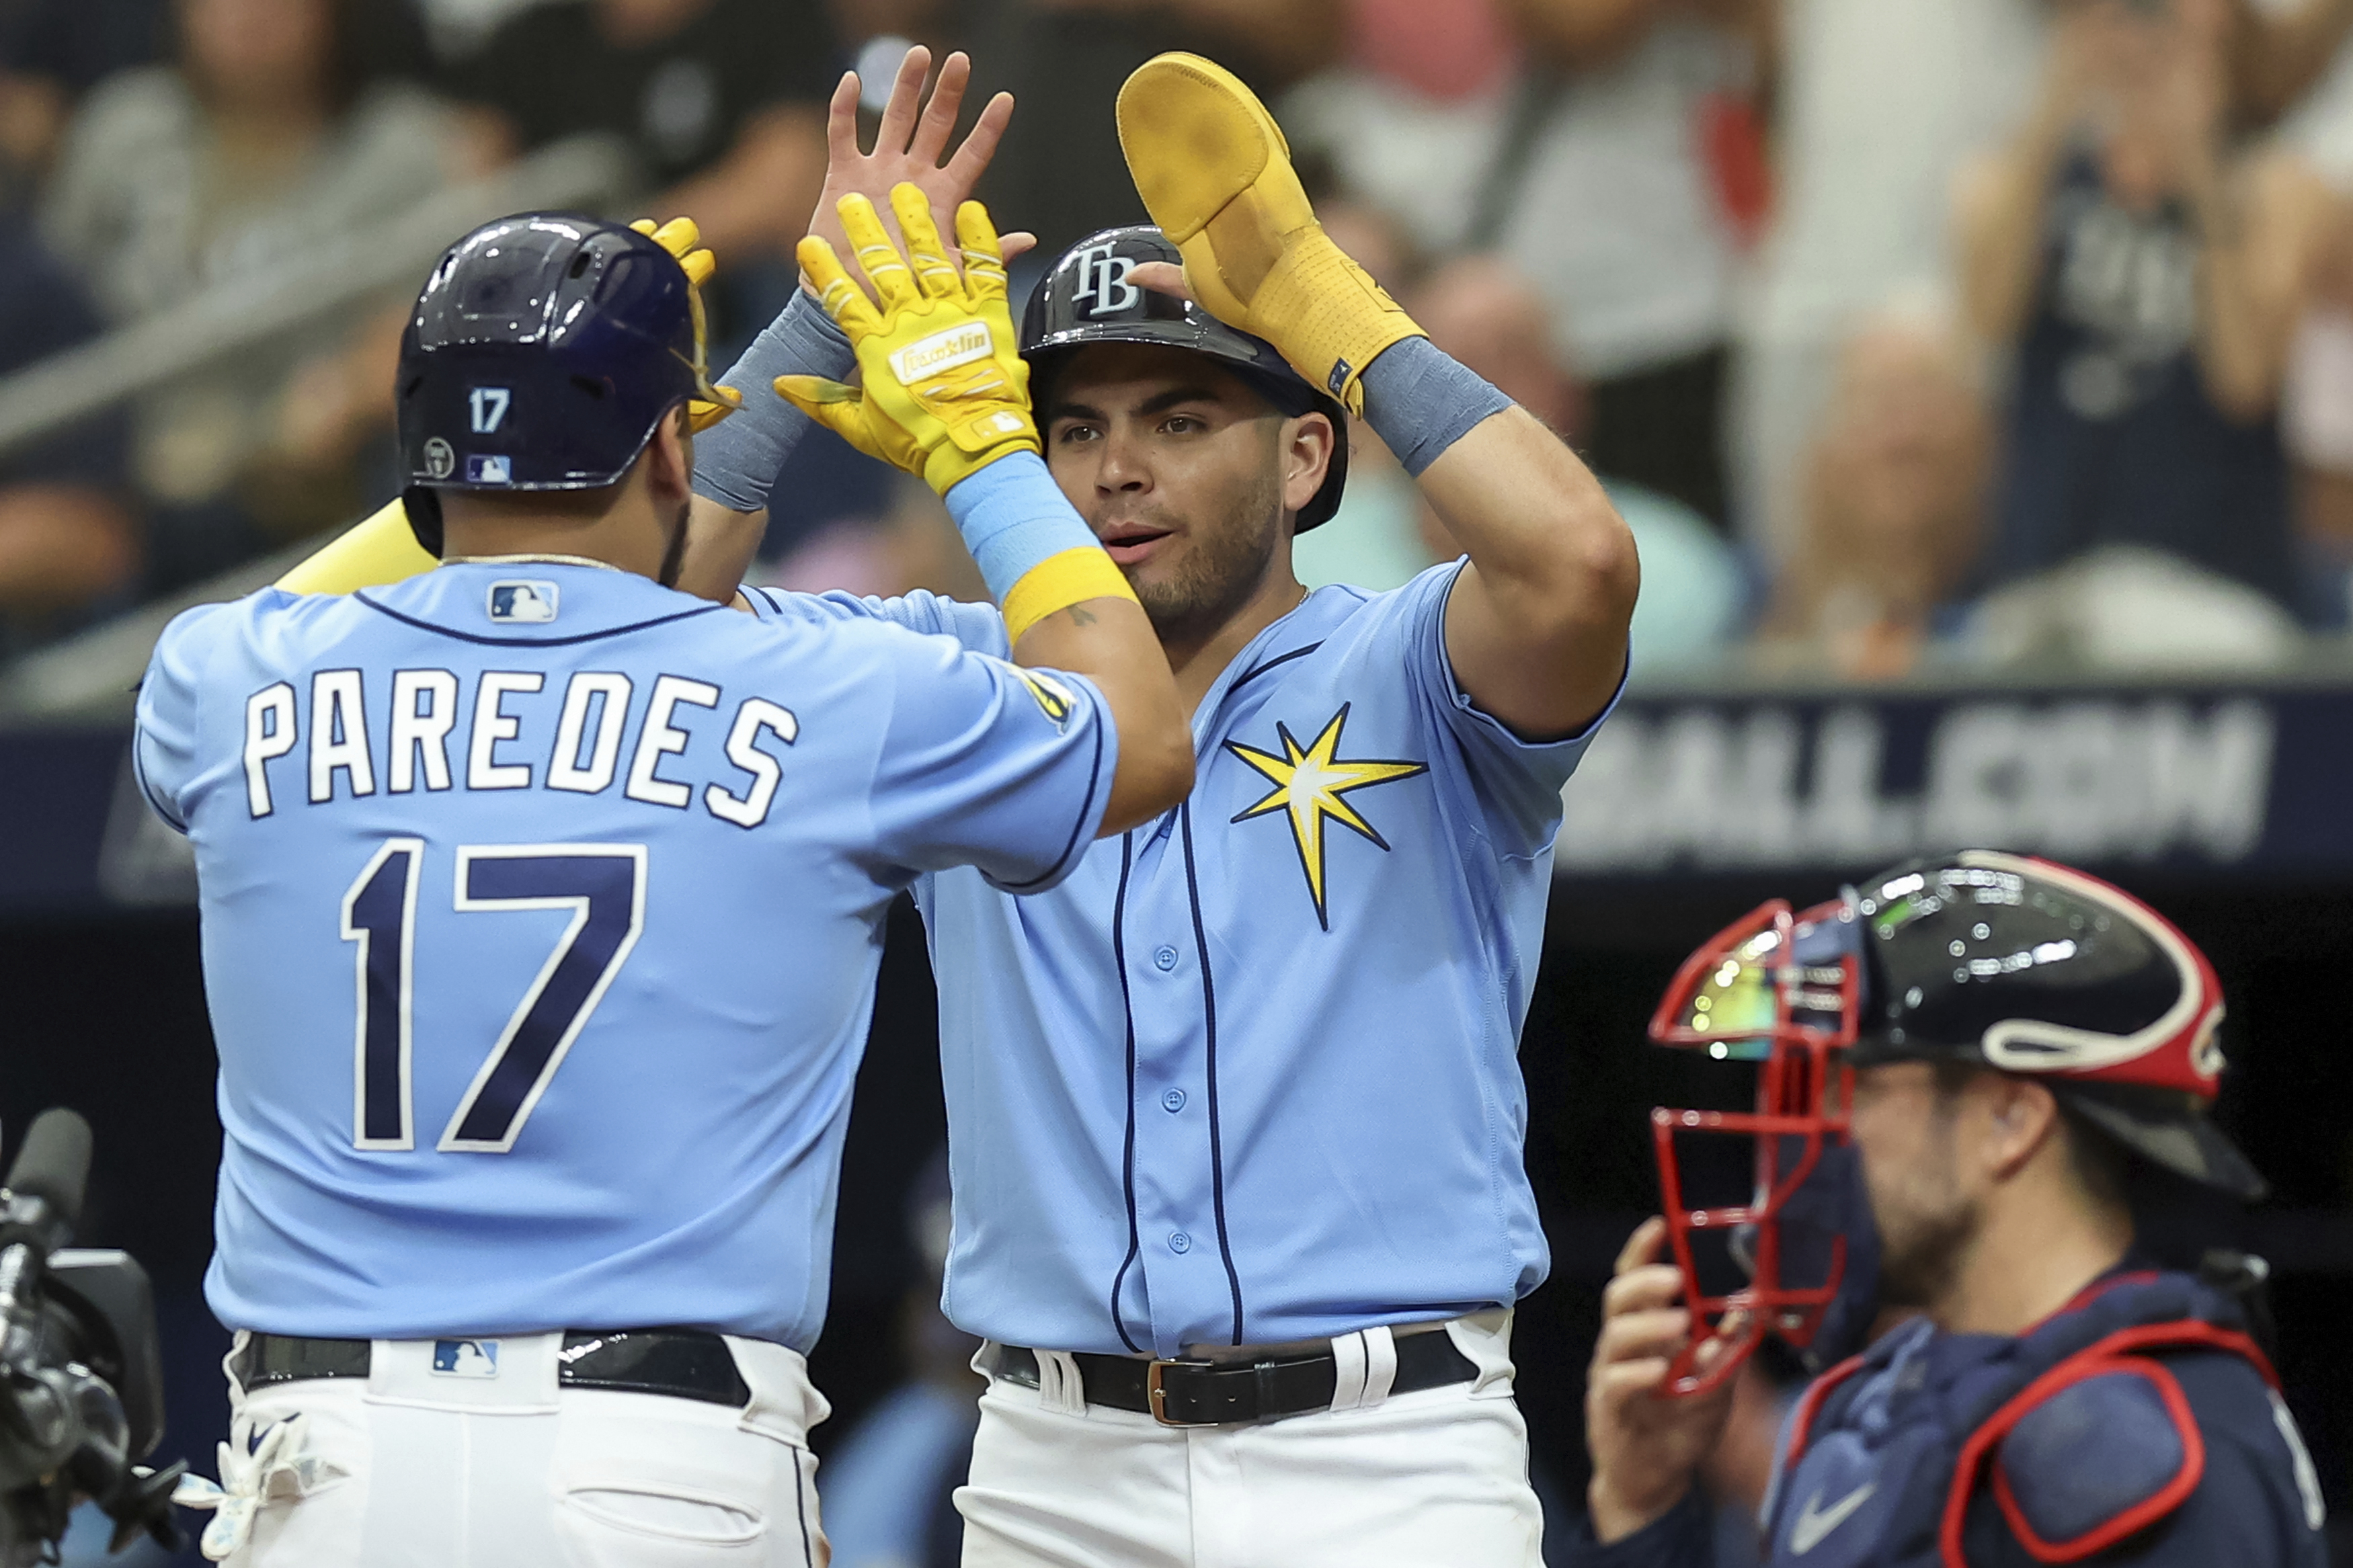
(466, 1358)
(523, 603)
(482, 470)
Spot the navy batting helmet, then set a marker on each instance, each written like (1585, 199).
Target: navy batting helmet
(543, 350)
(1088, 298)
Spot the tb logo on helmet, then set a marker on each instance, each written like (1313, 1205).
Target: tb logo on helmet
(1103, 281)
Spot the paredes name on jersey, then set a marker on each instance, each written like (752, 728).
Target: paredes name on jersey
(580, 753)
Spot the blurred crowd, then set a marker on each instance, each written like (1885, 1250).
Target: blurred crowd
(1909, 335)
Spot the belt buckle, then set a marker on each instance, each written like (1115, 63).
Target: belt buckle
(1157, 1395)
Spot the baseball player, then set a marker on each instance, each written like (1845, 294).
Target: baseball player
(1235, 1114)
(1235, 1119)
(542, 907)
(1972, 1068)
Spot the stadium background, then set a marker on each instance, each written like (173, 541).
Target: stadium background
(1708, 238)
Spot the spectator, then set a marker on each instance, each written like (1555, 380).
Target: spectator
(52, 52)
(1413, 113)
(2278, 53)
(1894, 485)
(1059, 172)
(723, 101)
(1481, 311)
(1877, 104)
(262, 137)
(459, 28)
(2130, 609)
(67, 539)
(1607, 190)
(2147, 274)
(2316, 408)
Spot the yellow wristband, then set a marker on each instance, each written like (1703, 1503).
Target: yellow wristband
(1070, 577)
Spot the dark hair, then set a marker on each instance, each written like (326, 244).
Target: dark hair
(2102, 1166)
(1952, 1076)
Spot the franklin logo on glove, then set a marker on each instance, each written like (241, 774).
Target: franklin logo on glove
(944, 350)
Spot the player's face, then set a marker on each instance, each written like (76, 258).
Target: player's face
(1178, 467)
(1908, 1134)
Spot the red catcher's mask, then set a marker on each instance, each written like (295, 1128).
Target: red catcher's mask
(1784, 990)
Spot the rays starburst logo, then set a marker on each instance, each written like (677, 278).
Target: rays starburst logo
(1311, 783)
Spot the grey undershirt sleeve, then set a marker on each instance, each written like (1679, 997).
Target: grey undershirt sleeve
(736, 461)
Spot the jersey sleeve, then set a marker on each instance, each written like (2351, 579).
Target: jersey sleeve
(1682, 1537)
(988, 764)
(1518, 781)
(163, 745)
(978, 627)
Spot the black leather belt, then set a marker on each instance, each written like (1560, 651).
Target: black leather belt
(1215, 1393)
(683, 1364)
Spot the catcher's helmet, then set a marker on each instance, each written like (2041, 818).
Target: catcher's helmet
(2002, 960)
(1087, 298)
(543, 351)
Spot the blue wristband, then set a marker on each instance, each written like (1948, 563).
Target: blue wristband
(736, 461)
(1419, 401)
(1012, 516)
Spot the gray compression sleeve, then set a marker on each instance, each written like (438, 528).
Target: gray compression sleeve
(736, 461)
(1420, 402)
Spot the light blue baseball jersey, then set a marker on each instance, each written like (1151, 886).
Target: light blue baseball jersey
(1251, 1075)
(542, 909)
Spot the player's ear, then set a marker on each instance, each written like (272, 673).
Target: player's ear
(670, 458)
(2022, 1117)
(1307, 446)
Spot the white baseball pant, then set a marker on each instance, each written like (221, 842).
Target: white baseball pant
(414, 1469)
(1437, 1478)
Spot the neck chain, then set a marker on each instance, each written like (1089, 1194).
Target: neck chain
(529, 561)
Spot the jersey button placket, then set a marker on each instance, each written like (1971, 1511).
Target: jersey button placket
(1173, 1189)
(1173, 1101)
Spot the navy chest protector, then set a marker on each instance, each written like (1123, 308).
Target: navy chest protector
(2077, 1429)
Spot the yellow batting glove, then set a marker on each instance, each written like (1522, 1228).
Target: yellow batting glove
(942, 391)
(382, 550)
(685, 241)
(1215, 173)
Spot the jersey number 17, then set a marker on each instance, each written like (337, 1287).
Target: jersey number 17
(603, 886)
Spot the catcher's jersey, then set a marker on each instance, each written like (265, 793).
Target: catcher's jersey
(542, 907)
(1250, 1074)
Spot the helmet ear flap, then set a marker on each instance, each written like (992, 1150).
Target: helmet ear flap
(423, 509)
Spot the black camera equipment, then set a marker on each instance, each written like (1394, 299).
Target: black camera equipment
(81, 1374)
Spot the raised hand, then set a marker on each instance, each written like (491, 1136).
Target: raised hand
(1645, 1445)
(909, 147)
(942, 389)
